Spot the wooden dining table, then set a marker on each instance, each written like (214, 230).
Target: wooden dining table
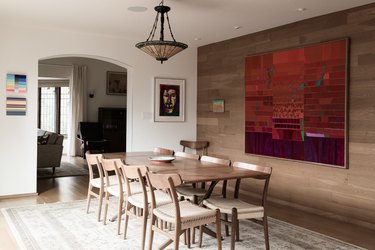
(190, 170)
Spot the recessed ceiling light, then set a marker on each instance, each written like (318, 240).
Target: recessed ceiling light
(137, 9)
(237, 27)
(197, 38)
(301, 9)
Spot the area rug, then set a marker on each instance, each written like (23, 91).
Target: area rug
(65, 169)
(67, 226)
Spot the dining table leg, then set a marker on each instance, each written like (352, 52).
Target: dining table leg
(209, 192)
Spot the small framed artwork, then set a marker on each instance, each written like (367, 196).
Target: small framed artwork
(169, 100)
(16, 83)
(218, 106)
(16, 106)
(116, 83)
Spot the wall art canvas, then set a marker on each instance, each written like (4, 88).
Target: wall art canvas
(116, 83)
(16, 106)
(169, 100)
(296, 103)
(16, 83)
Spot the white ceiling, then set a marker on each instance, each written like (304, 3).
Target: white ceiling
(209, 20)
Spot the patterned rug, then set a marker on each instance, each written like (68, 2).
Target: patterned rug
(65, 169)
(67, 226)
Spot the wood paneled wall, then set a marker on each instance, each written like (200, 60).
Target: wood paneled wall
(347, 194)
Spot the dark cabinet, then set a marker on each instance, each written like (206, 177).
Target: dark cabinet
(114, 128)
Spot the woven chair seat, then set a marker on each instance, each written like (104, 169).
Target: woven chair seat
(134, 186)
(189, 191)
(244, 209)
(191, 215)
(96, 182)
(161, 198)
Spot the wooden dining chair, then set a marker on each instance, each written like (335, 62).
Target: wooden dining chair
(93, 164)
(201, 146)
(164, 151)
(187, 155)
(113, 190)
(238, 209)
(183, 215)
(195, 193)
(118, 191)
(140, 201)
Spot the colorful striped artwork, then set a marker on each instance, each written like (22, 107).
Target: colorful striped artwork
(16, 106)
(16, 83)
(295, 105)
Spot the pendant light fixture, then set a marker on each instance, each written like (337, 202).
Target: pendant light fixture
(161, 49)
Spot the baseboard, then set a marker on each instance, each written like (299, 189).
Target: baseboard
(18, 196)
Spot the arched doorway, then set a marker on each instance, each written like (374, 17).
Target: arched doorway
(56, 70)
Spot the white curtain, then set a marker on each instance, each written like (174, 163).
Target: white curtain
(78, 98)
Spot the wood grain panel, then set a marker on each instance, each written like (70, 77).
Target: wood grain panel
(345, 194)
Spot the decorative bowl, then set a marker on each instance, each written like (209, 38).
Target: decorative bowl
(162, 158)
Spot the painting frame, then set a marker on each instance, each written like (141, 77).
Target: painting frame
(320, 119)
(169, 99)
(116, 83)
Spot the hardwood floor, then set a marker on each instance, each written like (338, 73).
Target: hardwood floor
(75, 188)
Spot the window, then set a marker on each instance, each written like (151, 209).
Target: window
(54, 103)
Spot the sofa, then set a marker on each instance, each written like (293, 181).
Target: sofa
(50, 148)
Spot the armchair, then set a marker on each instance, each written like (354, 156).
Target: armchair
(91, 137)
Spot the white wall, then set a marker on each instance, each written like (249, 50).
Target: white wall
(96, 81)
(20, 53)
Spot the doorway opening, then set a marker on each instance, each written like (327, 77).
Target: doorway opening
(56, 102)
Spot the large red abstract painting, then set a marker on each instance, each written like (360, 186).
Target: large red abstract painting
(296, 103)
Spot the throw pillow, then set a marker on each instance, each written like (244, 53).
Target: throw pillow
(42, 140)
(52, 137)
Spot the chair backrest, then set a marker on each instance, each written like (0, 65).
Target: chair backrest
(215, 160)
(109, 165)
(197, 145)
(266, 170)
(164, 151)
(90, 131)
(134, 173)
(187, 155)
(94, 160)
(206, 158)
(166, 182)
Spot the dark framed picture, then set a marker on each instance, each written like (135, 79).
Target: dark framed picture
(169, 100)
(116, 83)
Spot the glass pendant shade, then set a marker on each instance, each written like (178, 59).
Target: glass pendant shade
(161, 50)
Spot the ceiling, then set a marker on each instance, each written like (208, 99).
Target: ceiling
(195, 22)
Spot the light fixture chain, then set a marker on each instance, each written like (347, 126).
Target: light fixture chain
(170, 29)
(162, 27)
(154, 27)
